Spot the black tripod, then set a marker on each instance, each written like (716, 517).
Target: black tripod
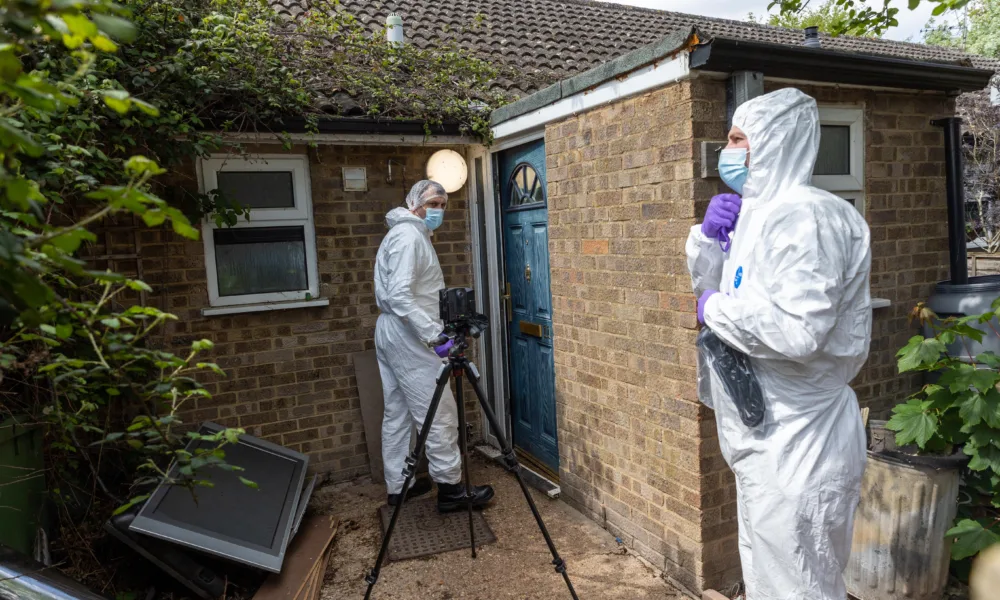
(458, 365)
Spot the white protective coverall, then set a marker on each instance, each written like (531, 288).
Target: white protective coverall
(407, 281)
(795, 298)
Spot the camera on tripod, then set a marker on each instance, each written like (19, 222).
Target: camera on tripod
(458, 311)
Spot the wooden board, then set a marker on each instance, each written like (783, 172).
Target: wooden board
(304, 557)
(372, 407)
(369, 380)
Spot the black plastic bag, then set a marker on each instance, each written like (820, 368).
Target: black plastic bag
(734, 370)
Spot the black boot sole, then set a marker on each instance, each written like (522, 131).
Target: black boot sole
(458, 504)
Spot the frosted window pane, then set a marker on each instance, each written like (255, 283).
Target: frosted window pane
(257, 189)
(834, 151)
(260, 260)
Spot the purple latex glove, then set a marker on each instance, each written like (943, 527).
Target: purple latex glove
(720, 219)
(443, 349)
(702, 302)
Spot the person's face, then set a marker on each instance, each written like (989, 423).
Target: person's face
(738, 139)
(437, 202)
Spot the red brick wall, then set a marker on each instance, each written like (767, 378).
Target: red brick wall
(290, 377)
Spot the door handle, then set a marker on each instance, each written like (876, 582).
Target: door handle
(508, 304)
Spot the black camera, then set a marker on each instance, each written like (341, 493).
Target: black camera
(457, 304)
(458, 311)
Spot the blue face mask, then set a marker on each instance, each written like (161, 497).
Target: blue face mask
(434, 218)
(733, 168)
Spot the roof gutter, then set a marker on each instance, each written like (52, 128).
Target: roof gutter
(814, 64)
(351, 125)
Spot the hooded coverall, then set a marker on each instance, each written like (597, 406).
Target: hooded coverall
(795, 298)
(407, 281)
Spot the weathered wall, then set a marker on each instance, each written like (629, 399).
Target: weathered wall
(290, 376)
(638, 452)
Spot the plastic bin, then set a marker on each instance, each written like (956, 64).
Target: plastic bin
(22, 484)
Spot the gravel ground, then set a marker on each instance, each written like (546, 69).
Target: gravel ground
(517, 566)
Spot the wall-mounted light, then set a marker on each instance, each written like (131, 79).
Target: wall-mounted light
(448, 168)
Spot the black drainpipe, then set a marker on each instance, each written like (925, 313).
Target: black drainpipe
(957, 243)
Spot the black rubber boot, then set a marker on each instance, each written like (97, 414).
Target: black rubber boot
(419, 487)
(451, 497)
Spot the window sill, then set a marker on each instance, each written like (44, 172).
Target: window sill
(264, 307)
(878, 303)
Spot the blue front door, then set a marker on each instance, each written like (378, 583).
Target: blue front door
(526, 257)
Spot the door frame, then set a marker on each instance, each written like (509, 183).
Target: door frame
(494, 375)
(495, 273)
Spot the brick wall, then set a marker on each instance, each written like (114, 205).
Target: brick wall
(638, 452)
(636, 448)
(290, 376)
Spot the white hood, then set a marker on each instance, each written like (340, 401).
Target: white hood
(783, 130)
(402, 215)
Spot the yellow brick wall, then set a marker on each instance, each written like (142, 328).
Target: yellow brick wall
(638, 453)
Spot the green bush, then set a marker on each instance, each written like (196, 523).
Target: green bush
(959, 412)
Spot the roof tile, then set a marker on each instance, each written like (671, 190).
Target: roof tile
(560, 38)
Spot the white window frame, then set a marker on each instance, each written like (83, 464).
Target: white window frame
(300, 214)
(851, 186)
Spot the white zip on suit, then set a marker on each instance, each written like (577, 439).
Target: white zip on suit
(407, 281)
(795, 298)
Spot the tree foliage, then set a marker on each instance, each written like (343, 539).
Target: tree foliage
(830, 17)
(874, 16)
(960, 411)
(97, 102)
(977, 30)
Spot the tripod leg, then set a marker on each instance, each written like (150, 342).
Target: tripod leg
(510, 460)
(463, 441)
(411, 467)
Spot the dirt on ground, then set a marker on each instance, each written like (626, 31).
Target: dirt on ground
(517, 566)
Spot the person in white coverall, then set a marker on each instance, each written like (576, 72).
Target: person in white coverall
(792, 293)
(410, 354)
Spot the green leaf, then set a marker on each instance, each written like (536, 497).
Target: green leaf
(974, 409)
(248, 483)
(153, 218)
(201, 345)
(920, 352)
(10, 64)
(990, 359)
(145, 107)
(115, 26)
(111, 322)
(914, 4)
(64, 331)
(139, 165)
(912, 423)
(70, 241)
(983, 457)
(184, 229)
(117, 100)
(132, 502)
(970, 538)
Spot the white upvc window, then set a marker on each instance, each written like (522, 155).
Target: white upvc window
(270, 257)
(840, 166)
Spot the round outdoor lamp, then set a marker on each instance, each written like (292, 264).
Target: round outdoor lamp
(448, 168)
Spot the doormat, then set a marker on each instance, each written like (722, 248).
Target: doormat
(422, 531)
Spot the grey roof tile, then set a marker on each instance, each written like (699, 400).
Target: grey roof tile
(555, 39)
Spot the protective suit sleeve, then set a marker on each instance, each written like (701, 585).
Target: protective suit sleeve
(802, 274)
(705, 259)
(402, 262)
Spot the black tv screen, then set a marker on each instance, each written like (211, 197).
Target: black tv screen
(232, 520)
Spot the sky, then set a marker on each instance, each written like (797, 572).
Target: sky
(910, 22)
